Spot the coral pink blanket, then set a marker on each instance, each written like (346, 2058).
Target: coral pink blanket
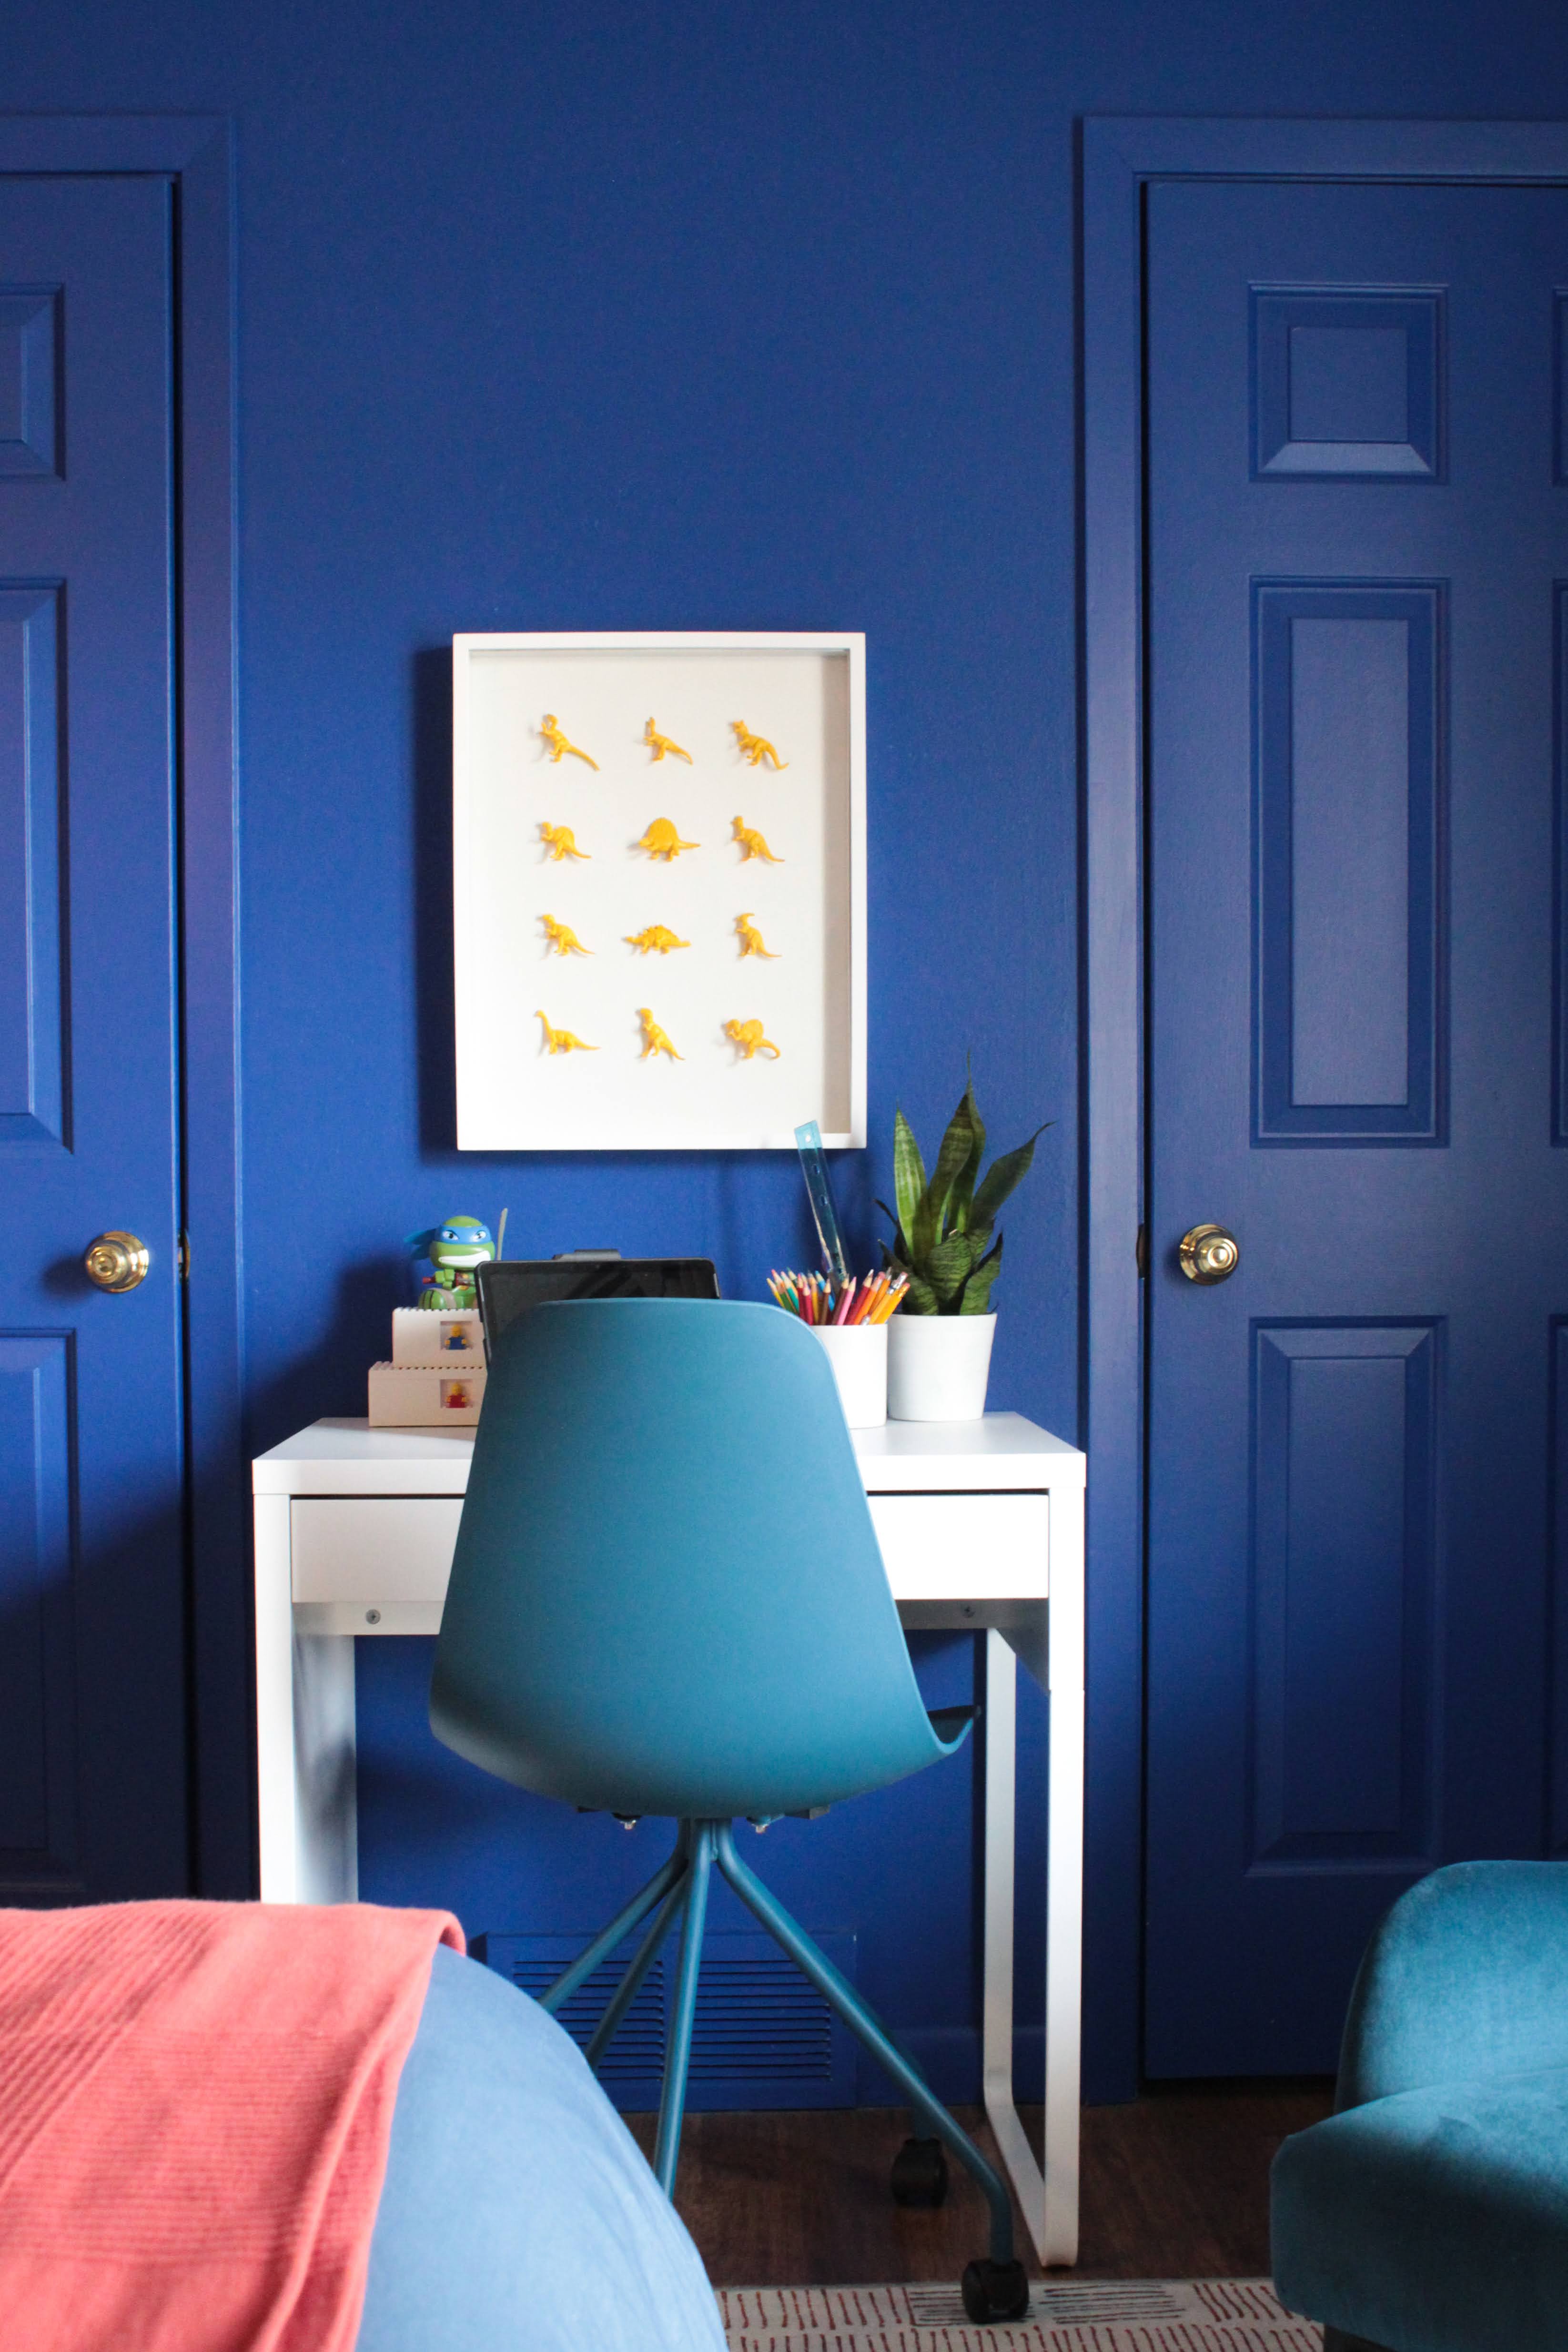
(196, 2103)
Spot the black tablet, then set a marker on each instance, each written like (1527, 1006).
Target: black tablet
(508, 1287)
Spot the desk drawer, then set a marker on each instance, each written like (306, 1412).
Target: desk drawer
(391, 1553)
(951, 1546)
(351, 1554)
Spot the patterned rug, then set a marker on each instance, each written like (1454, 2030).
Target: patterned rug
(1099, 2315)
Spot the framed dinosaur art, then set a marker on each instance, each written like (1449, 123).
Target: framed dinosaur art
(663, 839)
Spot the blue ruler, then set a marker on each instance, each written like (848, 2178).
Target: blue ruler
(820, 1192)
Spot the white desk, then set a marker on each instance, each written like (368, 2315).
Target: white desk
(981, 1527)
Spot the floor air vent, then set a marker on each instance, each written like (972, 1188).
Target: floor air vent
(763, 2038)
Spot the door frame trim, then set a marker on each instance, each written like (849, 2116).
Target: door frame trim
(194, 153)
(1119, 158)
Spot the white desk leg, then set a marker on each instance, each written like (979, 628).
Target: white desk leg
(1064, 1878)
(997, 2015)
(305, 1736)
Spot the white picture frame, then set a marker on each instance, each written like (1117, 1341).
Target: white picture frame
(603, 776)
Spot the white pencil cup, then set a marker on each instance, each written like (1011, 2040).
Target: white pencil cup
(858, 1354)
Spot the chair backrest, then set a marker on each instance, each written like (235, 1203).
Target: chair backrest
(667, 1595)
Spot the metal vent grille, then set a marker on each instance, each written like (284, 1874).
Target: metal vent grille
(763, 2037)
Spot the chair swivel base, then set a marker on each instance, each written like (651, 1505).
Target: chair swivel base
(996, 2286)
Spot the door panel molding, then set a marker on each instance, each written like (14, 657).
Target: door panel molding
(1120, 157)
(1344, 1572)
(194, 153)
(1348, 1046)
(35, 1055)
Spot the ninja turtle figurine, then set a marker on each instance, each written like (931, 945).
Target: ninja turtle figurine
(453, 1249)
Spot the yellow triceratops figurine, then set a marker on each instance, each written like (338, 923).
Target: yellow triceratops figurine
(562, 938)
(752, 843)
(562, 1040)
(755, 749)
(748, 1036)
(655, 1039)
(662, 840)
(557, 742)
(659, 744)
(561, 843)
(655, 938)
(751, 939)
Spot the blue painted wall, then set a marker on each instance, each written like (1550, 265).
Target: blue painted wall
(695, 316)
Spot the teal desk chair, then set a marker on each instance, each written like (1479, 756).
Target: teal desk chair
(667, 1598)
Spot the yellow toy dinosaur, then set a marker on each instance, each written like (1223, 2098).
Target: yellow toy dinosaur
(751, 939)
(659, 744)
(756, 748)
(562, 1040)
(748, 1036)
(557, 742)
(654, 1040)
(752, 843)
(561, 841)
(662, 840)
(655, 938)
(562, 938)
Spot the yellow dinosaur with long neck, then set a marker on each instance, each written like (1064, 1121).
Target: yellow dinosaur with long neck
(562, 938)
(655, 1039)
(560, 743)
(659, 744)
(560, 843)
(751, 939)
(755, 749)
(562, 1040)
(752, 843)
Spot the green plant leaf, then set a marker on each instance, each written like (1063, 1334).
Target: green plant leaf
(948, 1266)
(918, 1299)
(908, 1178)
(1003, 1174)
(957, 1158)
(963, 1187)
(976, 1298)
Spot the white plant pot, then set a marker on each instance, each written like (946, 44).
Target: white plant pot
(937, 1366)
(858, 1354)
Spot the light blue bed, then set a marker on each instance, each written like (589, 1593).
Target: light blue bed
(519, 2214)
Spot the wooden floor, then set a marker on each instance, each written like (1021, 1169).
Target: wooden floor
(1175, 2186)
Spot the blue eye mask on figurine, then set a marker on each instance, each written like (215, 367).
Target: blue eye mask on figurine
(454, 1250)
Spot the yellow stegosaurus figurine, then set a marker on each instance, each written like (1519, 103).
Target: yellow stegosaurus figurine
(562, 1040)
(752, 843)
(654, 940)
(655, 1039)
(560, 842)
(748, 1036)
(562, 938)
(662, 840)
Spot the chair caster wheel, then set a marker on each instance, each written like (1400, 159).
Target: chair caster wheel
(995, 2291)
(920, 2173)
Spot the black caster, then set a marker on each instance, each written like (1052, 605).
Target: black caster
(995, 2291)
(920, 2173)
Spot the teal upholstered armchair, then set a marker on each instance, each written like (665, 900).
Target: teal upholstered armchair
(1430, 2212)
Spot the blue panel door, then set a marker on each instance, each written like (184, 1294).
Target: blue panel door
(1358, 541)
(92, 1638)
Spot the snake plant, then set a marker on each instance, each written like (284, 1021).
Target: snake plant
(944, 1230)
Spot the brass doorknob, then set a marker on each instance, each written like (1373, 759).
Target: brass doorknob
(116, 1261)
(1208, 1254)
